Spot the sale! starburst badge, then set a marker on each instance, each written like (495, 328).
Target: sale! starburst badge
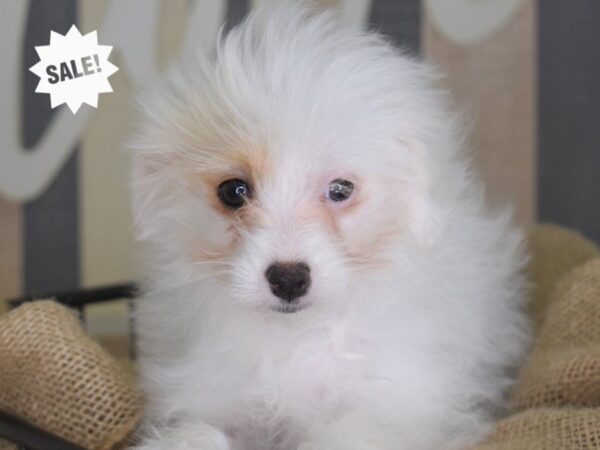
(73, 69)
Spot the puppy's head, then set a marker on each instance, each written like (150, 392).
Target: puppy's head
(291, 166)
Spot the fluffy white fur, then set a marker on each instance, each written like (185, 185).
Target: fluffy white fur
(414, 320)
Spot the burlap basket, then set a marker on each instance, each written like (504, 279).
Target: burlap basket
(56, 377)
(556, 402)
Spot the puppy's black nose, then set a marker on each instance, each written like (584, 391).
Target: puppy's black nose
(288, 281)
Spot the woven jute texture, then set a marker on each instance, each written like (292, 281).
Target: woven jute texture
(564, 367)
(555, 251)
(547, 429)
(55, 377)
(556, 402)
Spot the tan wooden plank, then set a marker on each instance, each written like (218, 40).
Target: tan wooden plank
(11, 251)
(494, 80)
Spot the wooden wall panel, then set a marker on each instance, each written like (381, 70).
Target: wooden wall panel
(11, 251)
(51, 220)
(494, 80)
(106, 238)
(569, 115)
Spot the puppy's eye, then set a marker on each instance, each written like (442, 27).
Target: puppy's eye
(234, 193)
(339, 190)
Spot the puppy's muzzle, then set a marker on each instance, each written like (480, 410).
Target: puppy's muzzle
(288, 281)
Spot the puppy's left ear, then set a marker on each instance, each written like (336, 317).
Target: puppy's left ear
(426, 224)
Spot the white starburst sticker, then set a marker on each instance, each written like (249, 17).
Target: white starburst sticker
(73, 69)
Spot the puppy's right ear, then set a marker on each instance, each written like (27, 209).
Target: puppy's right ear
(426, 211)
(149, 191)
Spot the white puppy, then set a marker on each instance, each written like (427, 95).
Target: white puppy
(323, 272)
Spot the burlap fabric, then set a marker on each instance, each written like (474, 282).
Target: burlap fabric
(556, 403)
(554, 251)
(54, 376)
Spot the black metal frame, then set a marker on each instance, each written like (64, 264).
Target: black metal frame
(80, 298)
(28, 437)
(22, 433)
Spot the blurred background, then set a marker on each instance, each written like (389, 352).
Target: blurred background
(526, 71)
